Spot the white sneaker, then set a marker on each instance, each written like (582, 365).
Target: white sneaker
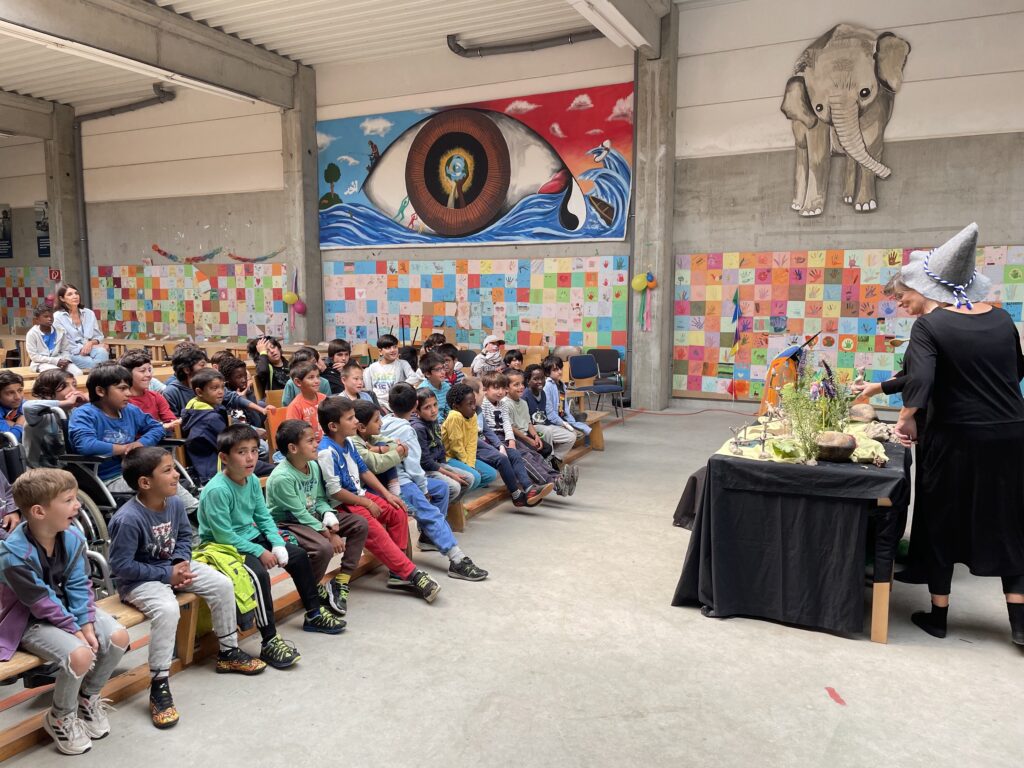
(92, 711)
(68, 733)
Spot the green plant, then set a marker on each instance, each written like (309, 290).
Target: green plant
(814, 405)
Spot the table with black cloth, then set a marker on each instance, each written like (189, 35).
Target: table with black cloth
(787, 541)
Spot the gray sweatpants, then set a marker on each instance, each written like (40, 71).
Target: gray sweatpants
(561, 439)
(157, 601)
(55, 645)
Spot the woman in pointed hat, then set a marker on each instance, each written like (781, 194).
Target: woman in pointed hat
(967, 370)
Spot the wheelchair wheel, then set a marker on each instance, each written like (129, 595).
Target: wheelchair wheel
(93, 525)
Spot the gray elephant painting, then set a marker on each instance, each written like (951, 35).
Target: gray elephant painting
(840, 99)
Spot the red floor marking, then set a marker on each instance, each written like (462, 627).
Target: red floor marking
(834, 695)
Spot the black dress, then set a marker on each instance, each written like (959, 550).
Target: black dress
(967, 370)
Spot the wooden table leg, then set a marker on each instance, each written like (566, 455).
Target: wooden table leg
(880, 613)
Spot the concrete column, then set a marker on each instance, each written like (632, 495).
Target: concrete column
(61, 161)
(302, 230)
(651, 368)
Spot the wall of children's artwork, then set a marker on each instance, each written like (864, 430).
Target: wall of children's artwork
(209, 301)
(735, 311)
(21, 289)
(580, 301)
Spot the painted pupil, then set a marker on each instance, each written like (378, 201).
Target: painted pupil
(455, 169)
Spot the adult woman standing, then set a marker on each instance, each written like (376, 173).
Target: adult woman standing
(80, 326)
(967, 367)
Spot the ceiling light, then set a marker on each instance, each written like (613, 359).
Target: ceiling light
(114, 60)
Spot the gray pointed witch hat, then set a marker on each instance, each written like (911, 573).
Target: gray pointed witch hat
(948, 274)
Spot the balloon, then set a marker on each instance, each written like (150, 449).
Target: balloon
(650, 277)
(639, 282)
(299, 307)
(651, 283)
(290, 298)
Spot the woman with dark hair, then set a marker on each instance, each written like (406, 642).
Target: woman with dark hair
(80, 327)
(967, 367)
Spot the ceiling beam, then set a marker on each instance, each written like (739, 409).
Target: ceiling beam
(25, 116)
(146, 38)
(631, 23)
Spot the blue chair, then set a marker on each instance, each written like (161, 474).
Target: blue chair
(584, 376)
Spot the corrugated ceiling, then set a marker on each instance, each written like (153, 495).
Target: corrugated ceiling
(322, 31)
(34, 70)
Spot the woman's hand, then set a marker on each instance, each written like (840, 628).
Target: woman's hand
(864, 388)
(262, 345)
(906, 431)
(87, 347)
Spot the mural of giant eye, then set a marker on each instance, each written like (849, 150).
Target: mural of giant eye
(545, 168)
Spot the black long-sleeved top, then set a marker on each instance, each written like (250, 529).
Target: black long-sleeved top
(966, 368)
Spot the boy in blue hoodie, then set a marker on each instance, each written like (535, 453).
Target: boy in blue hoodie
(109, 425)
(47, 607)
(204, 417)
(151, 558)
(426, 497)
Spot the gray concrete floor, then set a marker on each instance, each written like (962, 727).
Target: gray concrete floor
(570, 655)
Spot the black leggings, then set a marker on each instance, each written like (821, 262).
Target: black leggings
(940, 583)
(302, 574)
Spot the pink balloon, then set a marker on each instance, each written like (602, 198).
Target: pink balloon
(299, 307)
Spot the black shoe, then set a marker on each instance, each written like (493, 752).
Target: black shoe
(466, 570)
(279, 653)
(424, 586)
(328, 595)
(161, 704)
(934, 623)
(1016, 611)
(324, 621)
(426, 545)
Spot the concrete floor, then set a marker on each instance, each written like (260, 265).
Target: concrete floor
(570, 655)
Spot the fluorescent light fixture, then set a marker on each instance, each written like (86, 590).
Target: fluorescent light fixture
(609, 20)
(114, 60)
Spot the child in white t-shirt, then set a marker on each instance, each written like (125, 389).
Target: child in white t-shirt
(380, 376)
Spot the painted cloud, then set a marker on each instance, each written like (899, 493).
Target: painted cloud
(520, 107)
(556, 130)
(623, 109)
(376, 126)
(323, 141)
(582, 101)
(347, 159)
(352, 188)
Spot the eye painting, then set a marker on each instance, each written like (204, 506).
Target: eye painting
(544, 168)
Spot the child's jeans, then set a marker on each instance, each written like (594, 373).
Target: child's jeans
(482, 474)
(509, 465)
(55, 645)
(158, 602)
(430, 512)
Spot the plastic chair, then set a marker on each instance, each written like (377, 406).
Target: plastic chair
(466, 356)
(583, 375)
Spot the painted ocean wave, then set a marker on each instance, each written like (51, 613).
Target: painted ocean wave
(534, 218)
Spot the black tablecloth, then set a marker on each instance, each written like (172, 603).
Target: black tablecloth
(786, 541)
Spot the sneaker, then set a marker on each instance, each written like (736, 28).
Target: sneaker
(92, 711)
(397, 582)
(520, 500)
(466, 570)
(68, 733)
(161, 704)
(279, 653)
(238, 661)
(338, 601)
(328, 598)
(424, 586)
(535, 495)
(426, 545)
(561, 486)
(325, 622)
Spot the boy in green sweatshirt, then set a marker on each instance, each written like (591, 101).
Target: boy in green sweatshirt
(232, 511)
(299, 505)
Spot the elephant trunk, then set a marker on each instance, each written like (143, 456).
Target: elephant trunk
(846, 120)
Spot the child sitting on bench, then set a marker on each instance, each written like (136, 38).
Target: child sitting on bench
(232, 511)
(299, 505)
(47, 607)
(151, 558)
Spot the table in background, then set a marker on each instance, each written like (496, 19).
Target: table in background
(786, 541)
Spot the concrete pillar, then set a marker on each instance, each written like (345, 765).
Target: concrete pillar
(61, 162)
(302, 229)
(651, 368)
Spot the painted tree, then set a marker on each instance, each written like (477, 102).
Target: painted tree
(332, 175)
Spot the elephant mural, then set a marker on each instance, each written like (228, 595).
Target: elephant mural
(840, 99)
